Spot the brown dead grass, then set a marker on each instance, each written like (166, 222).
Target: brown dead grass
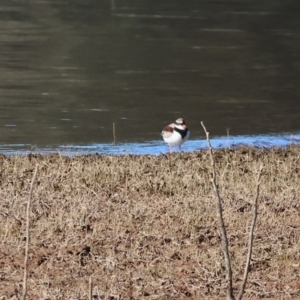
(145, 227)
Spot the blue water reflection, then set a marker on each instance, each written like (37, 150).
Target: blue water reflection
(157, 147)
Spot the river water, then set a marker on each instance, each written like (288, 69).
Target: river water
(72, 70)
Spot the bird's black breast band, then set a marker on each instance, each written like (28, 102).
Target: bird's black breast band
(182, 132)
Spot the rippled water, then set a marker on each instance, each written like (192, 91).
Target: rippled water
(69, 70)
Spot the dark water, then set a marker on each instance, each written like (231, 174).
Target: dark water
(70, 69)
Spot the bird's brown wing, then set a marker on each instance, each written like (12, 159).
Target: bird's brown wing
(168, 130)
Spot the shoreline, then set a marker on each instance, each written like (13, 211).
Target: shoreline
(158, 147)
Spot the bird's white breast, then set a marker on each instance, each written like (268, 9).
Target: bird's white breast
(175, 139)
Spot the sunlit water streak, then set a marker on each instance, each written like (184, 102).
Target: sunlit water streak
(157, 147)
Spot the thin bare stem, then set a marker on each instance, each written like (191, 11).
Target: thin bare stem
(114, 133)
(221, 219)
(90, 288)
(251, 235)
(28, 234)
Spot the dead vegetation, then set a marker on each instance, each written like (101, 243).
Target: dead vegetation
(145, 227)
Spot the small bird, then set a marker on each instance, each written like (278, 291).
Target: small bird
(176, 133)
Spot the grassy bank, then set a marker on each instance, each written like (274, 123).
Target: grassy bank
(145, 227)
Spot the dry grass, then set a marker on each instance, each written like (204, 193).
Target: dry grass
(145, 227)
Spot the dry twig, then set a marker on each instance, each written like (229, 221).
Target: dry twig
(251, 236)
(28, 234)
(223, 229)
(114, 133)
(221, 219)
(90, 288)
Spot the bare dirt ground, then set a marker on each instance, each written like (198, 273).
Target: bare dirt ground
(145, 227)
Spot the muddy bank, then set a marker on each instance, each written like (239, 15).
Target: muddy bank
(145, 227)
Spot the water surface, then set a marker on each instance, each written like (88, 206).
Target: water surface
(158, 147)
(70, 69)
